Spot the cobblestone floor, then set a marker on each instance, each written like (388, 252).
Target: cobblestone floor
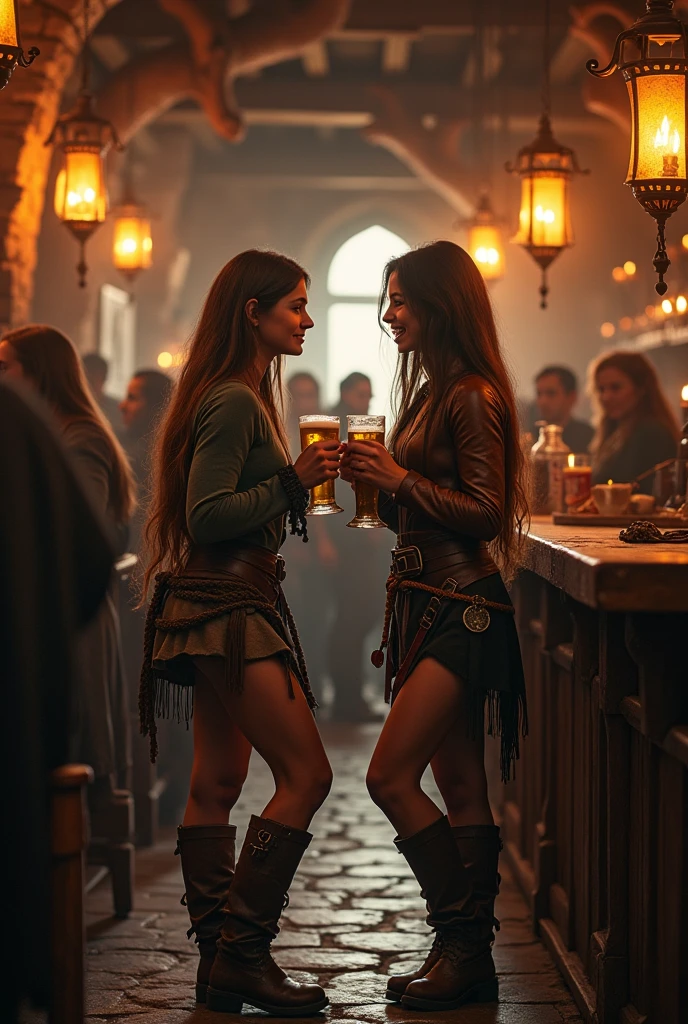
(355, 916)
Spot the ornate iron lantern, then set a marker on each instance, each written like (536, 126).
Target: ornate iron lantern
(656, 81)
(11, 52)
(485, 243)
(545, 168)
(80, 190)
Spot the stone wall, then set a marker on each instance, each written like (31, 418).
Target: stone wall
(28, 108)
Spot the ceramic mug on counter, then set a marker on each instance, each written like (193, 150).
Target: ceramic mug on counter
(612, 499)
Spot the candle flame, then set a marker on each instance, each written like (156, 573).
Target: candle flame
(684, 393)
(665, 138)
(609, 483)
(572, 461)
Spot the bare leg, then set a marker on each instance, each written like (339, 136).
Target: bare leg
(459, 770)
(425, 711)
(221, 757)
(284, 733)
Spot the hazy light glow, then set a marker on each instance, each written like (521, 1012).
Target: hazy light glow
(684, 393)
(684, 241)
(629, 268)
(165, 360)
(355, 342)
(681, 304)
(607, 330)
(358, 264)
(667, 306)
(625, 323)
(619, 274)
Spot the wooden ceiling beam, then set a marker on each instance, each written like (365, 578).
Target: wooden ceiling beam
(446, 15)
(396, 53)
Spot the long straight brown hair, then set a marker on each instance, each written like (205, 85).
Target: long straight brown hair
(447, 294)
(223, 347)
(652, 402)
(50, 361)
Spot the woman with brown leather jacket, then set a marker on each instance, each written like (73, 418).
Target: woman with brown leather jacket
(455, 499)
(219, 632)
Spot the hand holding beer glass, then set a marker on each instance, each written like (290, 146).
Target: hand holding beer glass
(366, 428)
(312, 429)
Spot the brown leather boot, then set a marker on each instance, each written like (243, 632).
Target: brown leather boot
(464, 971)
(244, 971)
(479, 847)
(207, 853)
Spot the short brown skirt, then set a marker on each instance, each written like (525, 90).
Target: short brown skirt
(173, 653)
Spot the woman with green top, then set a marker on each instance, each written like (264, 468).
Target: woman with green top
(219, 632)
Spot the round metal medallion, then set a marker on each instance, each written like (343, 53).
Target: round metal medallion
(476, 616)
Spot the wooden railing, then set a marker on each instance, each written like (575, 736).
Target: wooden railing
(596, 823)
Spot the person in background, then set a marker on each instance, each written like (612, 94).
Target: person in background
(355, 396)
(307, 586)
(359, 575)
(96, 369)
(636, 428)
(43, 359)
(147, 397)
(556, 394)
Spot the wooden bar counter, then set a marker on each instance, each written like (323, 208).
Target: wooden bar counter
(596, 822)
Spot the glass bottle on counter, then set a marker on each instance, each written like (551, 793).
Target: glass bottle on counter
(549, 456)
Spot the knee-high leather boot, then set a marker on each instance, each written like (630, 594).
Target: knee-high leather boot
(207, 854)
(479, 847)
(244, 971)
(464, 971)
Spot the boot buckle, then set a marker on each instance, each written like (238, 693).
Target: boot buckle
(266, 842)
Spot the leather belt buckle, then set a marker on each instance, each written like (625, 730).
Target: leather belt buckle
(280, 569)
(430, 613)
(407, 562)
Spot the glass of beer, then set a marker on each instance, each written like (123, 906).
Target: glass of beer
(366, 428)
(320, 428)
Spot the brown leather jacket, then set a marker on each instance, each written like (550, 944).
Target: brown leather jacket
(451, 501)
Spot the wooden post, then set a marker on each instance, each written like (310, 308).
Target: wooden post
(69, 826)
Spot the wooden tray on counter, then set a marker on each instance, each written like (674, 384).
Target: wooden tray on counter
(595, 519)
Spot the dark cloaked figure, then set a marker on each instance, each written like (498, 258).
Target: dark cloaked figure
(456, 501)
(636, 428)
(219, 631)
(55, 565)
(46, 361)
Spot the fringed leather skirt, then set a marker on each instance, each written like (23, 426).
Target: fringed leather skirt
(227, 603)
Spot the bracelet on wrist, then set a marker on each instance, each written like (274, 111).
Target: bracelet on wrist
(298, 501)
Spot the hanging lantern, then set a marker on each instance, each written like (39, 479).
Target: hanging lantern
(656, 81)
(84, 138)
(485, 241)
(544, 220)
(11, 52)
(132, 247)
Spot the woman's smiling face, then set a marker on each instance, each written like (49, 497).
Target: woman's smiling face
(401, 320)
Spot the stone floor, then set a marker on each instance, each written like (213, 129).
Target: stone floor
(355, 916)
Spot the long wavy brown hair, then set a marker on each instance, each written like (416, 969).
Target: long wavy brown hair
(652, 402)
(51, 363)
(223, 347)
(447, 294)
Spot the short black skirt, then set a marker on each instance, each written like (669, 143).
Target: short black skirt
(489, 663)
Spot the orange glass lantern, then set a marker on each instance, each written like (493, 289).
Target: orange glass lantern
(84, 138)
(544, 221)
(485, 243)
(656, 80)
(11, 52)
(132, 246)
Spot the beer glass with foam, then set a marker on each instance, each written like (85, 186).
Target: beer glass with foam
(366, 428)
(312, 429)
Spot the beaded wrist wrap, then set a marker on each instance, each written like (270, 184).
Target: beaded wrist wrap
(298, 501)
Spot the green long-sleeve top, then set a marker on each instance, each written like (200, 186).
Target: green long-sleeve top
(234, 492)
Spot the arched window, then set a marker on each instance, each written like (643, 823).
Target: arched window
(353, 334)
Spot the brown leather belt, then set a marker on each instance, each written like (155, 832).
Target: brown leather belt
(431, 556)
(261, 568)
